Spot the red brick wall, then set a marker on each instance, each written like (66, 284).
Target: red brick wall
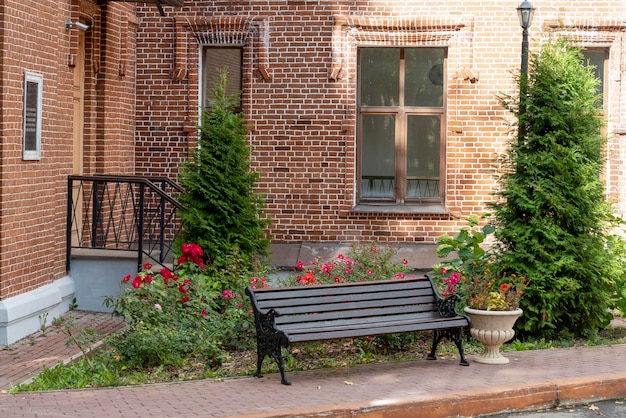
(33, 194)
(29, 218)
(303, 124)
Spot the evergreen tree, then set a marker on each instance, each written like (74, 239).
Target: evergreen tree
(223, 213)
(552, 212)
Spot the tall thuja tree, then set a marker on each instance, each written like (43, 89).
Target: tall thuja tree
(552, 212)
(223, 213)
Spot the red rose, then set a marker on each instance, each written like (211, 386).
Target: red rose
(184, 287)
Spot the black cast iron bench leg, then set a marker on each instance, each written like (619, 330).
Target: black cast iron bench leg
(271, 346)
(456, 336)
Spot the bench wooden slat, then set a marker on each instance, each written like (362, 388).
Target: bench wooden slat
(365, 323)
(266, 304)
(349, 306)
(373, 331)
(339, 288)
(348, 322)
(312, 317)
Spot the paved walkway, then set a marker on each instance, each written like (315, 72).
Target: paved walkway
(533, 379)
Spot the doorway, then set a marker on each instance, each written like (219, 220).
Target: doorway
(78, 118)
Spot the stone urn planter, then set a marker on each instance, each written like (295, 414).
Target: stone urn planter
(492, 329)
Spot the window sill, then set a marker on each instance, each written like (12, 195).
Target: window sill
(400, 209)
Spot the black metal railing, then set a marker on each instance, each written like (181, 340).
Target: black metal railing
(123, 213)
(384, 187)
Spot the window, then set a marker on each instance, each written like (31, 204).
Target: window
(401, 119)
(214, 60)
(598, 59)
(33, 89)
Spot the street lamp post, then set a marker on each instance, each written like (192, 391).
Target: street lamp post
(525, 12)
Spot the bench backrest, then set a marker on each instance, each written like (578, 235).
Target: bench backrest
(348, 300)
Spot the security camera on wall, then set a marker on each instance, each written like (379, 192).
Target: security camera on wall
(78, 25)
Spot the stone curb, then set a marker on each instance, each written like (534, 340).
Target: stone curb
(466, 404)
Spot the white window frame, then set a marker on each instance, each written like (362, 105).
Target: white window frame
(28, 153)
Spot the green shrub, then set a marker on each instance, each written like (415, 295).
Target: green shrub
(471, 257)
(616, 248)
(476, 274)
(222, 214)
(144, 346)
(551, 215)
(236, 328)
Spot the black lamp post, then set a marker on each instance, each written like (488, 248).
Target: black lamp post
(525, 12)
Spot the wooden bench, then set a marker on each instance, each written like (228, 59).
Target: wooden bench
(326, 312)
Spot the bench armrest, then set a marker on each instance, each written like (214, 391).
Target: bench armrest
(447, 307)
(264, 321)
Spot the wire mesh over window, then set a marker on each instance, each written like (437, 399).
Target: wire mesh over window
(214, 61)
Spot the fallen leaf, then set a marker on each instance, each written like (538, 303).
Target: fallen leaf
(593, 408)
(345, 382)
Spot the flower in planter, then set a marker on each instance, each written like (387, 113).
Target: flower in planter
(489, 291)
(475, 274)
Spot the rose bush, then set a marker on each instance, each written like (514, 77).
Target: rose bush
(363, 263)
(173, 316)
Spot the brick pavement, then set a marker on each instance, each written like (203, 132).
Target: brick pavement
(26, 358)
(533, 379)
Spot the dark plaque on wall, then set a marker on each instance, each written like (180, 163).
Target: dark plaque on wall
(31, 101)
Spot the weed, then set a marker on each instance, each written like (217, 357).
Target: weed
(58, 321)
(42, 323)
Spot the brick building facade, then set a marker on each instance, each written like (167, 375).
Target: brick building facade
(303, 97)
(122, 95)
